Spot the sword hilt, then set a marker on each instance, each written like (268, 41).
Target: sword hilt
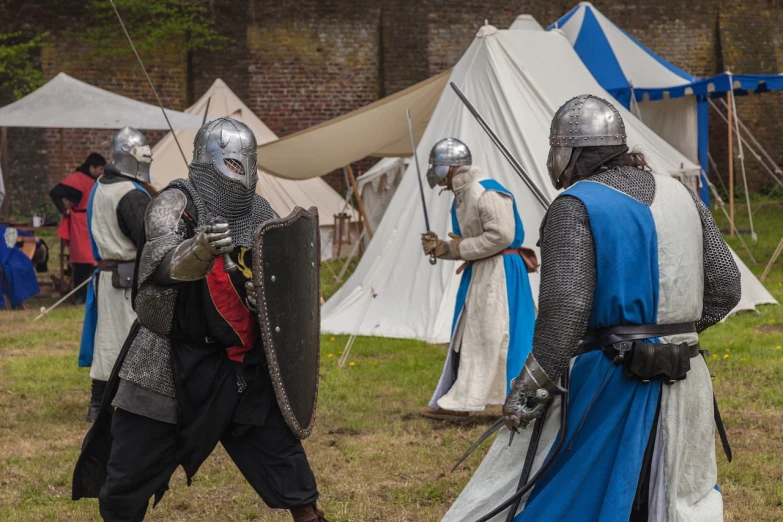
(229, 266)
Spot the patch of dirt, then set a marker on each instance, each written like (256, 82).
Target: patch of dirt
(344, 431)
(770, 328)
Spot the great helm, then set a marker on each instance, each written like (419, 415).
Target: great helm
(449, 152)
(584, 121)
(130, 154)
(230, 146)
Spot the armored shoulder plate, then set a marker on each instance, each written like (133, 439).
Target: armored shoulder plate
(164, 212)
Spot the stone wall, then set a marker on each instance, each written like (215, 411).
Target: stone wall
(299, 63)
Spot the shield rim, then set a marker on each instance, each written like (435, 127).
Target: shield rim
(266, 328)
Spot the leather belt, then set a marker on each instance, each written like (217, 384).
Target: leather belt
(108, 265)
(506, 252)
(614, 349)
(598, 338)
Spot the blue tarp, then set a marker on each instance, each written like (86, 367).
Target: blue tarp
(17, 274)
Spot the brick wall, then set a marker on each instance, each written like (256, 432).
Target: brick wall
(299, 63)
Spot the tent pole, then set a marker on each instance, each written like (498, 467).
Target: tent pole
(62, 154)
(731, 164)
(362, 210)
(6, 173)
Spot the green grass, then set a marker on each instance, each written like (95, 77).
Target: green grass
(747, 362)
(375, 459)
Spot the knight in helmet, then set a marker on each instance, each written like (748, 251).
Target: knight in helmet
(115, 220)
(633, 269)
(193, 370)
(493, 321)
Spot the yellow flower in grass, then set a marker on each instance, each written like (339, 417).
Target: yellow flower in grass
(742, 358)
(714, 355)
(331, 338)
(351, 363)
(725, 356)
(330, 355)
(771, 321)
(731, 342)
(777, 347)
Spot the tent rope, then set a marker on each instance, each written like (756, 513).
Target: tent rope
(352, 339)
(722, 206)
(714, 167)
(741, 157)
(755, 142)
(758, 157)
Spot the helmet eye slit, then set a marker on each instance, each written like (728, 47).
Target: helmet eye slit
(234, 166)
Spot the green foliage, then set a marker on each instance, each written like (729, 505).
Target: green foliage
(47, 211)
(18, 71)
(149, 24)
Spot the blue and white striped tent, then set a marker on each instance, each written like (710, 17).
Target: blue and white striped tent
(669, 100)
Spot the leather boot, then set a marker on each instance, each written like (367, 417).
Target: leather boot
(308, 513)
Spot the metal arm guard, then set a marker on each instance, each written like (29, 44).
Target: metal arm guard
(190, 261)
(537, 384)
(529, 392)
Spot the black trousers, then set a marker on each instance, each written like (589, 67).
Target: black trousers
(143, 453)
(81, 272)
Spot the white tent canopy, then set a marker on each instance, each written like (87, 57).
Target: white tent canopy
(527, 23)
(377, 186)
(379, 129)
(67, 103)
(517, 91)
(282, 194)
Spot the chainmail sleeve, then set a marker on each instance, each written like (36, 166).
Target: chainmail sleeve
(722, 287)
(568, 279)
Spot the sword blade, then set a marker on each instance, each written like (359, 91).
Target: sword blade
(418, 169)
(228, 264)
(66, 296)
(433, 260)
(492, 429)
(206, 111)
(152, 86)
(542, 199)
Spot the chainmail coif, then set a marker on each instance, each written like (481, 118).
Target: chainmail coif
(229, 199)
(568, 275)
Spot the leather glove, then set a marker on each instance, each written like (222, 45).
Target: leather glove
(215, 239)
(522, 405)
(431, 244)
(454, 245)
(252, 302)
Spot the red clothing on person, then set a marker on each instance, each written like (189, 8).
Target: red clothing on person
(73, 227)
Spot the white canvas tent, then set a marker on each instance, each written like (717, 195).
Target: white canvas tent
(282, 194)
(377, 186)
(67, 103)
(517, 79)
